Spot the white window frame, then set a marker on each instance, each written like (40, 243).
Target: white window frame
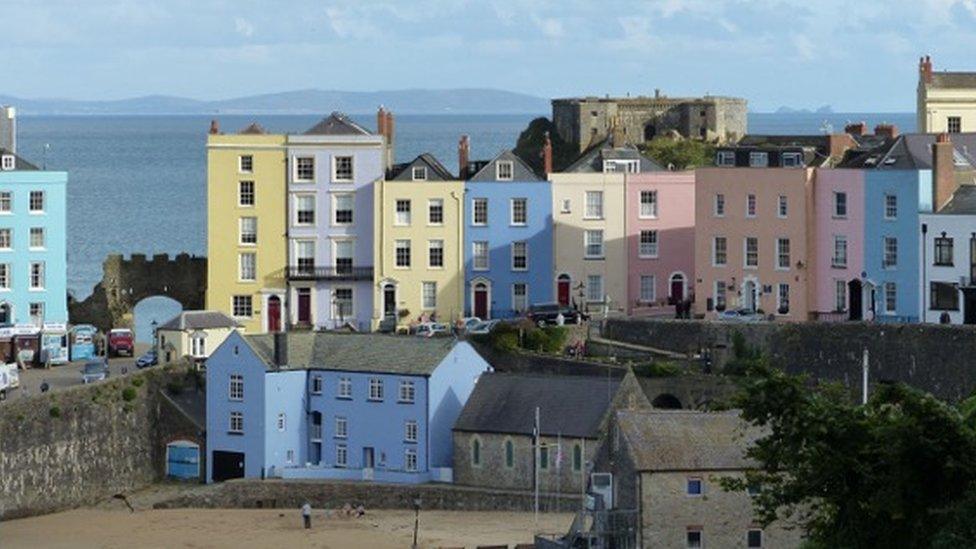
(840, 295)
(335, 209)
(335, 168)
(893, 295)
(241, 263)
(406, 392)
(341, 427)
(402, 218)
(234, 307)
(428, 303)
(295, 169)
(432, 245)
(525, 247)
(344, 388)
(718, 205)
(418, 173)
(725, 158)
(758, 159)
(5, 277)
(589, 288)
(411, 431)
(752, 205)
(297, 220)
(782, 207)
(651, 211)
(589, 213)
(837, 195)
(375, 389)
(513, 210)
(890, 203)
(840, 243)
(30, 203)
(8, 162)
(475, 203)
(780, 255)
(318, 384)
(647, 296)
(342, 456)
(500, 174)
(241, 193)
(653, 247)
(792, 159)
(410, 460)
(235, 423)
(337, 303)
(6, 239)
(587, 237)
(476, 258)
(240, 163)
(397, 246)
(6, 202)
(37, 275)
(745, 252)
(431, 203)
(779, 297)
(240, 231)
(885, 263)
(520, 302)
(235, 388)
(725, 252)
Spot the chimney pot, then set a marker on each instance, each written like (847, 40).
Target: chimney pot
(887, 130)
(856, 128)
(214, 127)
(944, 182)
(547, 154)
(464, 151)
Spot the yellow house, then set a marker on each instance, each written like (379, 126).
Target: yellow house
(419, 230)
(246, 246)
(946, 100)
(194, 334)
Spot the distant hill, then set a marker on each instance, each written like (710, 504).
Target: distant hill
(416, 101)
(825, 109)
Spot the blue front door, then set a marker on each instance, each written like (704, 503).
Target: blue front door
(183, 460)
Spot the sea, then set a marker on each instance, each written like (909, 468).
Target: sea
(137, 184)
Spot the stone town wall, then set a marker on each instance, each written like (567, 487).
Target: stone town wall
(291, 494)
(75, 447)
(934, 358)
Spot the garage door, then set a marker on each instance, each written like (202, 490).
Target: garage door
(227, 465)
(183, 459)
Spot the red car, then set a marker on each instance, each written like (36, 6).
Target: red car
(121, 342)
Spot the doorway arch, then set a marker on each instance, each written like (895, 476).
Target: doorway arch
(666, 401)
(677, 287)
(158, 309)
(274, 314)
(481, 299)
(749, 295)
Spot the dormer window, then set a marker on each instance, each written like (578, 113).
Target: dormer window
(419, 173)
(504, 170)
(792, 159)
(7, 162)
(725, 158)
(759, 159)
(621, 166)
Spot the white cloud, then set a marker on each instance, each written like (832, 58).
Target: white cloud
(805, 47)
(243, 27)
(551, 28)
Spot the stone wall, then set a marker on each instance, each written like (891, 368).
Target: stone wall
(291, 494)
(78, 446)
(127, 281)
(934, 358)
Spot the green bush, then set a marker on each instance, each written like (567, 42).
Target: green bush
(535, 340)
(138, 381)
(128, 394)
(506, 342)
(54, 412)
(555, 339)
(657, 369)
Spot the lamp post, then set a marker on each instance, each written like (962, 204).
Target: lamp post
(416, 519)
(155, 346)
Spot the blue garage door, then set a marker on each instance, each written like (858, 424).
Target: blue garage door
(183, 460)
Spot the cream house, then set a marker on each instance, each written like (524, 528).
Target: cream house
(946, 100)
(194, 334)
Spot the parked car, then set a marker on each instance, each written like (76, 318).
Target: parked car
(148, 359)
(740, 315)
(483, 327)
(120, 342)
(9, 379)
(430, 329)
(468, 322)
(95, 370)
(545, 314)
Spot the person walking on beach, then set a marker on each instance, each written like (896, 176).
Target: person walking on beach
(307, 515)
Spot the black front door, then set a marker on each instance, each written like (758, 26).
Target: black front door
(969, 306)
(855, 307)
(389, 300)
(227, 465)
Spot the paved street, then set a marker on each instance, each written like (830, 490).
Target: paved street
(69, 375)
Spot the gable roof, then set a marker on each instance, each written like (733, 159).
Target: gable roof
(963, 201)
(254, 129)
(19, 163)
(435, 170)
(571, 406)
(337, 124)
(913, 151)
(199, 320)
(591, 161)
(520, 170)
(356, 352)
(682, 440)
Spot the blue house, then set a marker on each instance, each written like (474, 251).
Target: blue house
(33, 249)
(890, 281)
(508, 263)
(336, 406)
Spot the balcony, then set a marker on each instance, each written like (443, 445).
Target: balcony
(329, 273)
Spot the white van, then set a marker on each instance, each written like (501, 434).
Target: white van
(9, 379)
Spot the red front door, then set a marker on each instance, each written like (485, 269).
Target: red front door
(481, 302)
(304, 306)
(274, 314)
(562, 292)
(677, 290)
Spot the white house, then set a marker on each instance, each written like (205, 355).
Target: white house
(948, 260)
(193, 333)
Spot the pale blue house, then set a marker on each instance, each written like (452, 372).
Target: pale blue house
(33, 253)
(508, 256)
(336, 406)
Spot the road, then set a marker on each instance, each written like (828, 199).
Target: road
(69, 375)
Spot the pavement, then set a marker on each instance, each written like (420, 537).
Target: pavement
(68, 375)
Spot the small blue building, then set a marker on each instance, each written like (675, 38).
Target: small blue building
(508, 263)
(893, 200)
(336, 406)
(33, 249)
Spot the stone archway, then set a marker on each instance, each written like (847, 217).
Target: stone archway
(666, 401)
(159, 309)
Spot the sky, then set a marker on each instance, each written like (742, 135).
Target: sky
(854, 55)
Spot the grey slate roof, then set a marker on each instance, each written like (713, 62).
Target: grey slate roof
(19, 163)
(963, 201)
(337, 124)
(591, 161)
(913, 151)
(199, 320)
(254, 129)
(520, 170)
(435, 170)
(356, 352)
(571, 406)
(954, 80)
(682, 440)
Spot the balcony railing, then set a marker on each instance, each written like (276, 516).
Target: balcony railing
(330, 273)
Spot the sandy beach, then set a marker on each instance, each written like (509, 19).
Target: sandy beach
(259, 528)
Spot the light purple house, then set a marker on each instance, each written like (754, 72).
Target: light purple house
(332, 169)
(838, 243)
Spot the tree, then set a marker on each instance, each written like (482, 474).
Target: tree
(682, 154)
(884, 474)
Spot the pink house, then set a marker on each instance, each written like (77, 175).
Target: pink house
(839, 238)
(660, 232)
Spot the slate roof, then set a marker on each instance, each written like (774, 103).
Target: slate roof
(591, 161)
(520, 170)
(199, 320)
(953, 80)
(683, 440)
(435, 170)
(571, 406)
(19, 163)
(356, 352)
(963, 201)
(254, 129)
(337, 124)
(913, 151)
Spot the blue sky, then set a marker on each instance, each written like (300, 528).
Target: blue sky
(856, 55)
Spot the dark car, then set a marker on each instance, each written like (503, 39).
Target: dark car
(147, 360)
(544, 314)
(95, 370)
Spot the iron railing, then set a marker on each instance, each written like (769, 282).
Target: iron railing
(330, 273)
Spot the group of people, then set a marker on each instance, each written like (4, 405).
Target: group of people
(347, 510)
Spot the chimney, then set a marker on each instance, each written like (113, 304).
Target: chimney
(547, 154)
(214, 127)
(281, 349)
(943, 172)
(8, 129)
(838, 143)
(464, 151)
(389, 128)
(856, 128)
(888, 130)
(381, 121)
(925, 69)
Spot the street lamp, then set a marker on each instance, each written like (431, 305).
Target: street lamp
(155, 347)
(416, 519)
